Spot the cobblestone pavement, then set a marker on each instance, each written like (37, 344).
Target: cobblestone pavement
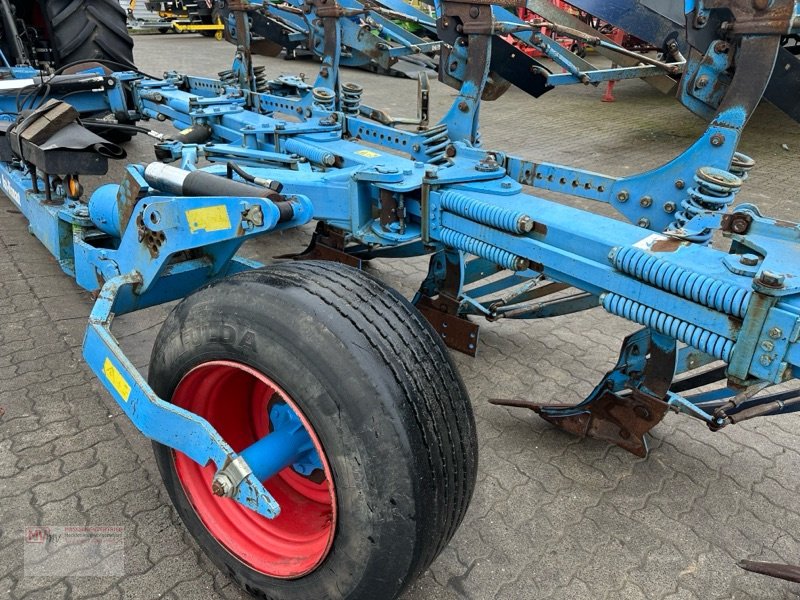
(552, 516)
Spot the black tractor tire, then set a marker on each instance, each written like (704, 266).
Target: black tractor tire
(376, 384)
(85, 30)
(91, 30)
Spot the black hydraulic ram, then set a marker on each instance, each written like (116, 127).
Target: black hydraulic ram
(201, 183)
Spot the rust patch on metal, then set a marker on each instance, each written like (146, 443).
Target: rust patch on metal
(668, 245)
(130, 192)
(328, 244)
(389, 209)
(152, 240)
(782, 223)
(538, 267)
(738, 223)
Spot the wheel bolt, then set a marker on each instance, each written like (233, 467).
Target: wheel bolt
(221, 486)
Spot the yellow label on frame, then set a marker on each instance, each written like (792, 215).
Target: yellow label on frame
(368, 153)
(116, 379)
(208, 219)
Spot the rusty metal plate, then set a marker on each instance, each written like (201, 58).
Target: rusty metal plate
(458, 333)
(621, 420)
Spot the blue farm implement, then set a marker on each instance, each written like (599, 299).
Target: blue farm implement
(309, 424)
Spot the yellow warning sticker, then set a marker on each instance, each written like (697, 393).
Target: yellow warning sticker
(116, 380)
(208, 219)
(368, 153)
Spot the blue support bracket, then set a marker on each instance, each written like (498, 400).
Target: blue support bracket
(158, 420)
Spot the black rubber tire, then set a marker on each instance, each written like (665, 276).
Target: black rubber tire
(380, 390)
(91, 30)
(88, 30)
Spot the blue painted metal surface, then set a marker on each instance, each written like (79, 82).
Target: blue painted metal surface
(287, 444)
(434, 190)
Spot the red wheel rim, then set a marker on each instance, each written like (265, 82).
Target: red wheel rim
(235, 399)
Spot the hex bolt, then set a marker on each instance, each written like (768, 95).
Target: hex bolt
(670, 207)
(646, 202)
(765, 360)
(775, 333)
(506, 185)
(680, 184)
(767, 345)
(525, 224)
(717, 140)
(721, 48)
(770, 279)
(749, 260)
(644, 222)
(521, 264)
(623, 196)
(463, 106)
(221, 486)
(701, 82)
(739, 224)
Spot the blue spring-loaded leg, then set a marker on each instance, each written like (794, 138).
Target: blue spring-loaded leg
(627, 403)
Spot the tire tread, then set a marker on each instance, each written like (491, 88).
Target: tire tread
(445, 425)
(88, 29)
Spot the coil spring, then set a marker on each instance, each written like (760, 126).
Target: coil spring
(261, 80)
(741, 165)
(351, 98)
(715, 191)
(711, 343)
(324, 98)
(312, 153)
(436, 141)
(513, 221)
(231, 77)
(710, 292)
(472, 245)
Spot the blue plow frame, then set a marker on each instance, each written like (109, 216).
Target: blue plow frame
(436, 190)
